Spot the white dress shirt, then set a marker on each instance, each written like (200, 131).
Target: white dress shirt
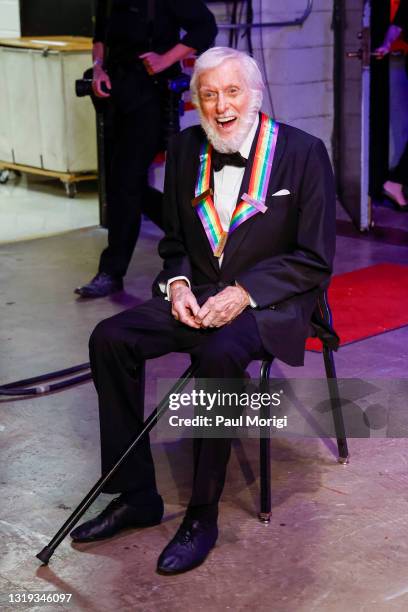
(227, 184)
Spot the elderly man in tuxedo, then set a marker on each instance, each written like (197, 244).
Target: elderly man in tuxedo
(249, 244)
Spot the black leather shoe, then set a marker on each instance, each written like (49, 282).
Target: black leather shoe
(189, 547)
(117, 516)
(102, 284)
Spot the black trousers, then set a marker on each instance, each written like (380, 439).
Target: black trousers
(119, 347)
(399, 174)
(135, 110)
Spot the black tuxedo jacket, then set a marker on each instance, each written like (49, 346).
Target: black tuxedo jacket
(283, 258)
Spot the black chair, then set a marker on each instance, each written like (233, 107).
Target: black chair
(320, 327)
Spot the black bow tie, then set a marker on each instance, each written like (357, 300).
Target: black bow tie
(219, 160)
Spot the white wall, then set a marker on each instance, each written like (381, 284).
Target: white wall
(299, 62)
(9, 18)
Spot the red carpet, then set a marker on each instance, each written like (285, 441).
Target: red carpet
(367, 302)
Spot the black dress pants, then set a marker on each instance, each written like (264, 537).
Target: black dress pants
(119, 347)
(136, 109)
(399, 174)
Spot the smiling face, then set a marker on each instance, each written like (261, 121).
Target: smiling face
(225, 105)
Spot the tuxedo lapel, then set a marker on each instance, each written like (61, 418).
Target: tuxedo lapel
(191, 170)
(237, 236)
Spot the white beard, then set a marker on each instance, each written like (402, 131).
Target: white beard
(231, 144)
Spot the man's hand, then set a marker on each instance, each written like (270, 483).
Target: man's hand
(223, 307)
(154, 62)
(100, 79)
(184, 305)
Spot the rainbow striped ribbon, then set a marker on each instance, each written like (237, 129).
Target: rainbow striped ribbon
(251, 203)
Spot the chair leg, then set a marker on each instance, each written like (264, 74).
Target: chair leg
(336, 405)
(265, 452)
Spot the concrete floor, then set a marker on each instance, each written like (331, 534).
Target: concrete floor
(33, 206)
(338, 539)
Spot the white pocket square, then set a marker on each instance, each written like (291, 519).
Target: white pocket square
(281, 192)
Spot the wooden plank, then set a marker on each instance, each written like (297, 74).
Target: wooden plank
(66, 177)
(54, 43)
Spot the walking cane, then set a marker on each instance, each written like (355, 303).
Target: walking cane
(148, 425)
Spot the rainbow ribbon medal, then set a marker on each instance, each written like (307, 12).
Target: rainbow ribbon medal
(251, 203)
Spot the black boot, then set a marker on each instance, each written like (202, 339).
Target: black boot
(102, 284)
(189, 547)
(118, 515)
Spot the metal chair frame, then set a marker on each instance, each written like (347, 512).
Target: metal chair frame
(265, 512)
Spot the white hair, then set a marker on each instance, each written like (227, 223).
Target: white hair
(216, 56)
(253, 79)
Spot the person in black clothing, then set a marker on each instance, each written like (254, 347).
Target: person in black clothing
(137, 48)
(398, 176)
(225, 297)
